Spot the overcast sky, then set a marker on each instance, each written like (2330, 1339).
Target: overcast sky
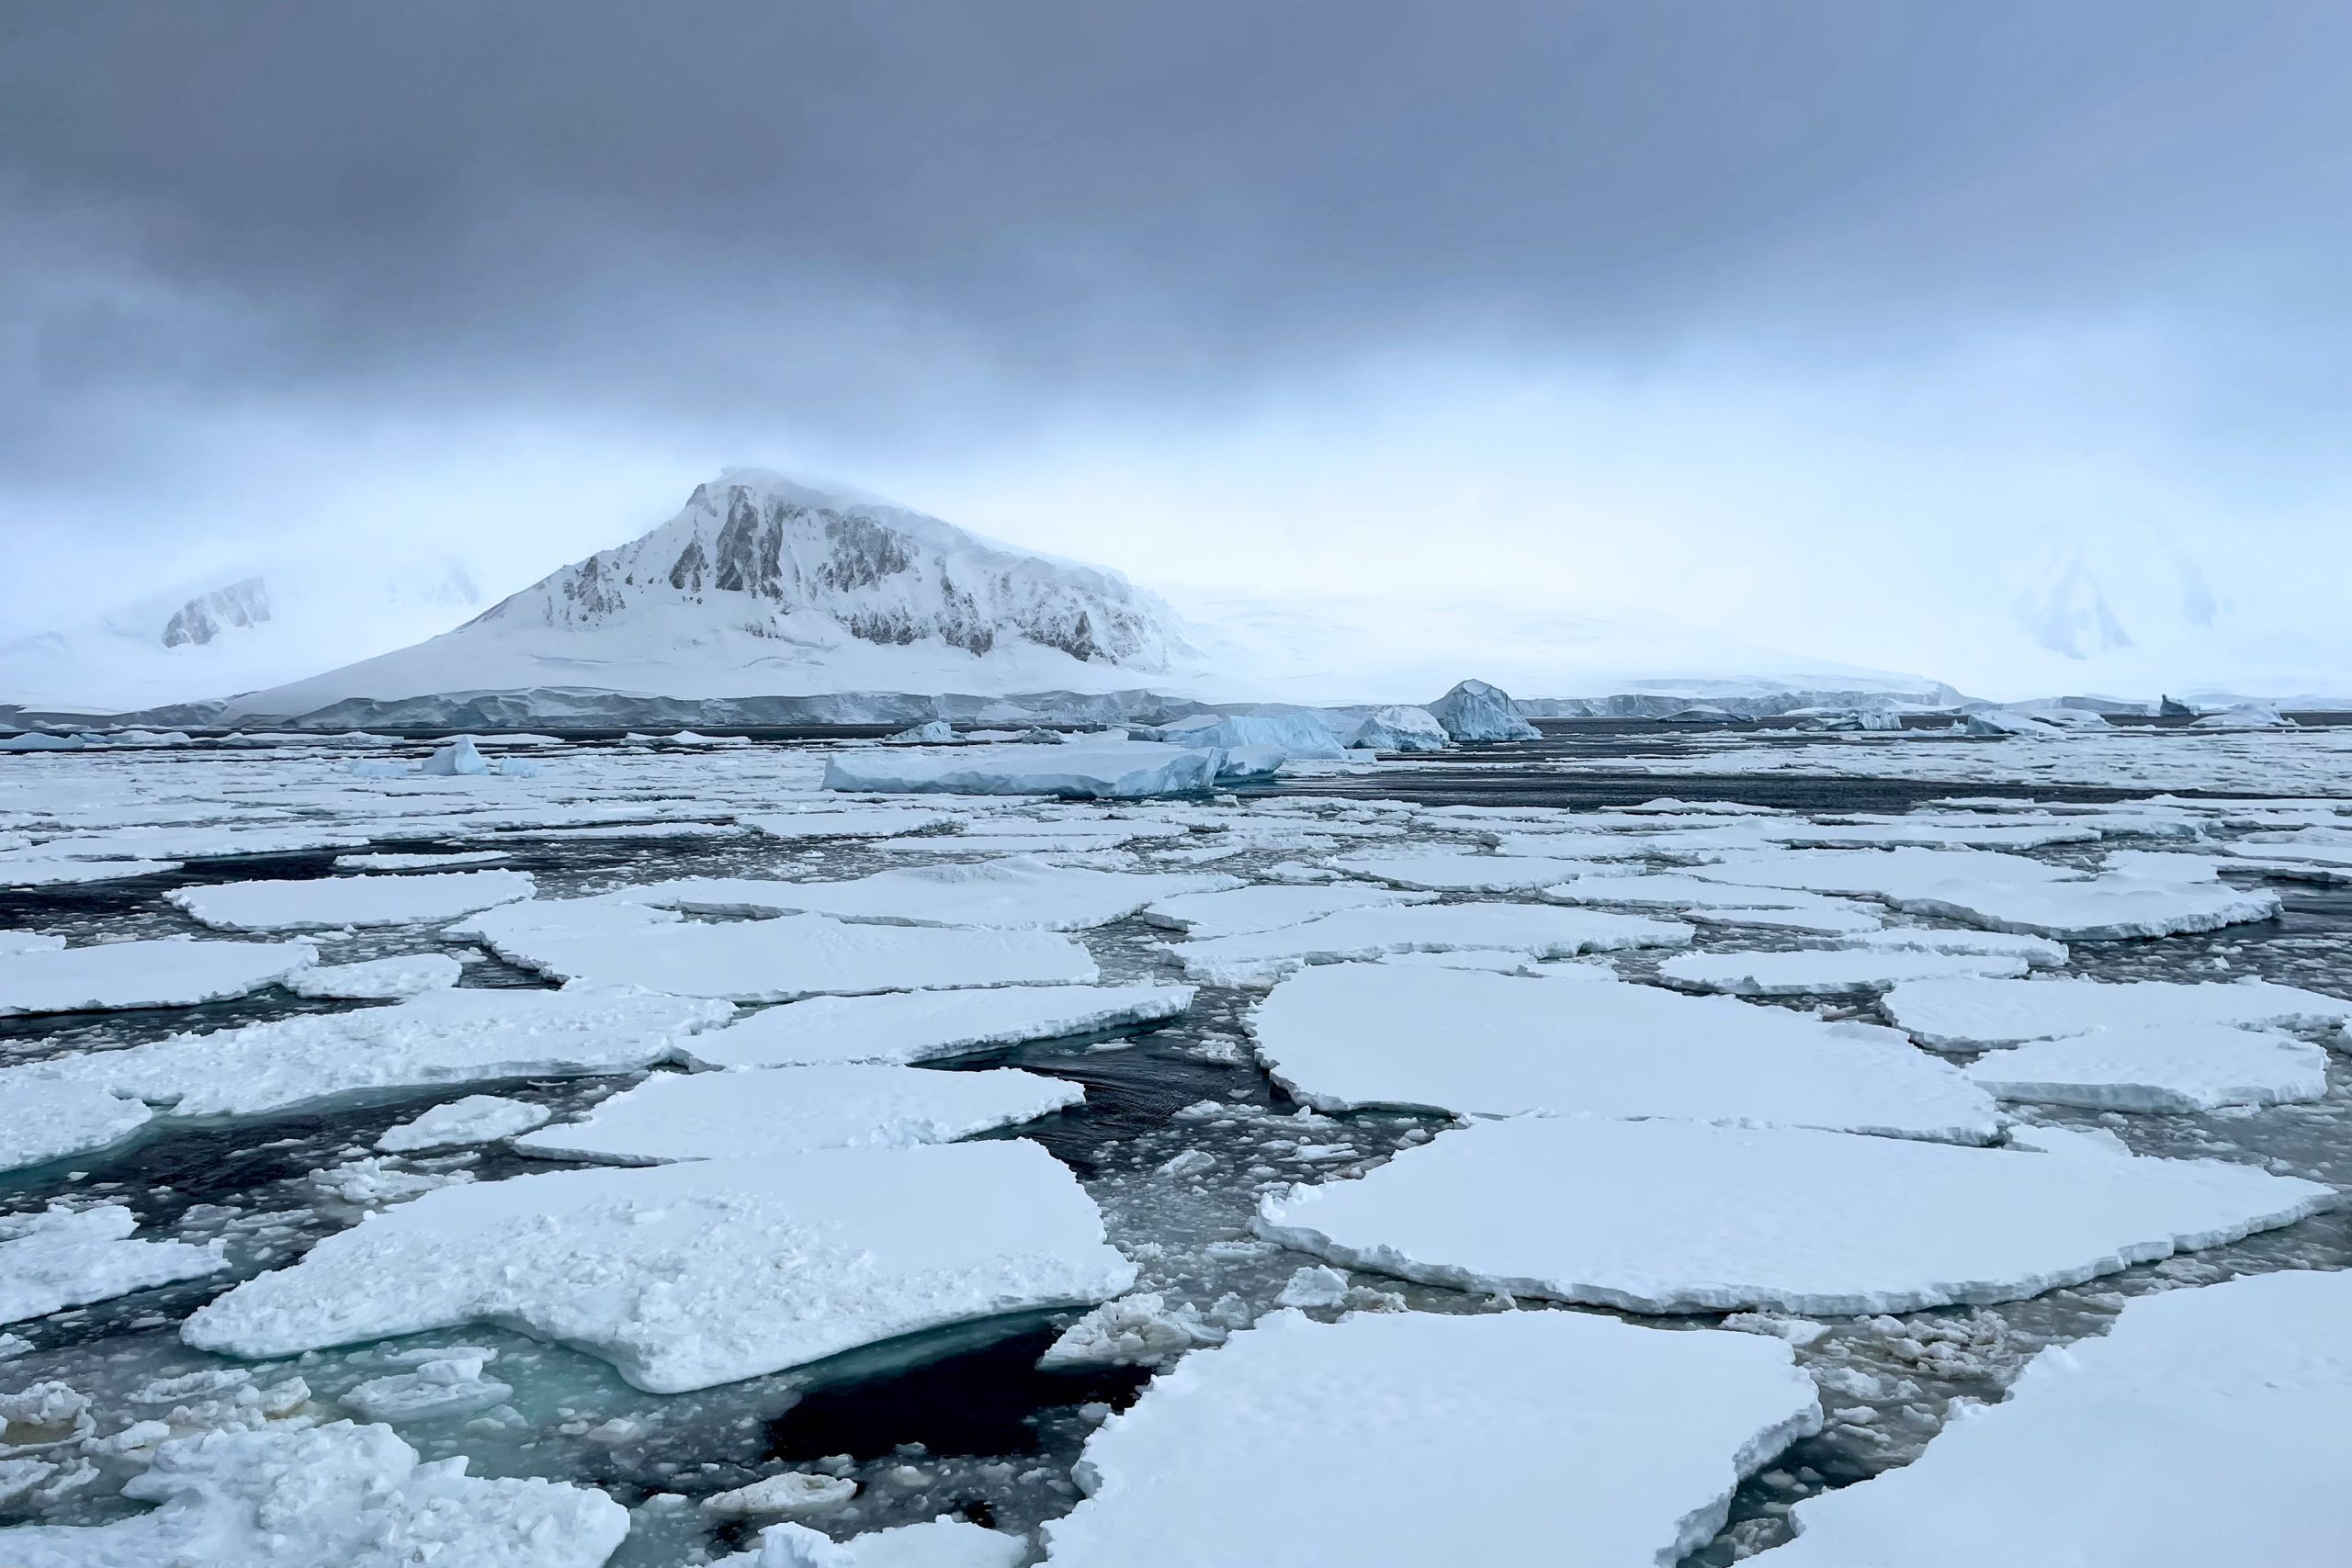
(1904, 334)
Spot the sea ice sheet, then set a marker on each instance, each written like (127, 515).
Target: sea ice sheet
(170, 973)
(1542, 930)
(379, 979)
(1818, 972)
(760, 1112)
(1683, 1217)
(922, 1026)
(476, 1119)
(1398, 1441)
(1973, 1012)
(326, 903)
(1017, 893)
(45, 1117)
(1091, 770)
(1268, 906)
(66, 1257)
(703, 1272)
(2105, 908)
(1346, 1036)
(2157, 1067)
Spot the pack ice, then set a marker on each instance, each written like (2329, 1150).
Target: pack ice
(1266, 905)
(377, 979)
(171, 973)
(1346, 1036)
(1833, 972)
(2105, 908)
(1398, 1441)
(703, 1272)
(326, 903)
(674, 1116)
(64, 1257)
(2157, 1067)
(1967, 1014)
(333, 1496)
(943, 1542)
(922, 1026)
(44, 1117)
(1092, 770)
(2210, 1426)
(1017, 892)
(1683, 1217)
(1540, 930)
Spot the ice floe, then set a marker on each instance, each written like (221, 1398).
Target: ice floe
(1685, 1216)
(44, 1116)
(922, 1026)
(1267, 905)
(1343, 1037)
(1442, 871)
(1141, 1330)
(441, 1037)
(1974, 1012)
(943, 1542)
(445, 1382)
(2158, 1067)
(332, 1497)
(171, 973)
(1017, 893)
(757, 1113)
(2038, 950)
(1092, 770)
(702, 1272)
(2207, 1426)
(1476, 712)
(447, 861)
(377, 979)
(1893, 874)
(476, 1119)
(1824, 972)
(1544, 932)
(2105, 908)
(65, 1257)
(854, 822)
(326, 903)
(1400, 1439)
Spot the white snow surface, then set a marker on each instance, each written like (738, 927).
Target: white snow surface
(379, 979)
(921, 1026)
(475, 1119)
(1267, 905)
(64, 1257)
(1017, 892)
(1684, 1216)
(760, 1112)
(1824, 972)
(1091, 770)
(2157, 1067)
(44, 1117)
(1262, 957)
(463, 1035)
(2210, 1426)
(333, 1496)
(1398, 1441)
(325, 903)
(1974, 1012)
(1346, 1036)
(707, 1272)
(793, 956)
(170, 973)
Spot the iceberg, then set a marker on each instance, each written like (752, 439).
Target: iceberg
(1477, 713)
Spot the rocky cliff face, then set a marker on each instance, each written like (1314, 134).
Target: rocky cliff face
(207, 615)
(756, 553)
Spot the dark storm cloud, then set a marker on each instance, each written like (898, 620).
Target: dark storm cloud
(874, 215)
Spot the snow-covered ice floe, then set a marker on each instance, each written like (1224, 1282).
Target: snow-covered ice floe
(325, 903)
(922, 1026)
(2105, 908)
(1017, 893)
(1891, 874)
(1824, 972)
(476, 1119)
(1967, 1014)
(758, 1112)
(703, 1272)
(850, 822)
(2038, 950)
(1398, 1441)
(1267, 905)
(943, 1542)
(333, 1496)
(45, 1117)
(445, 1382)
(171, 973)
(2210, 1426)
(379, 979)
(1538, 930)
(1141, 1330)
(1090, 770)
(66, 1257)
(441, 1037)
(1346, 1036)
(1443, 871)
(786, 957)
(1682, 1216)
(1718, 904)
(2157, 1067)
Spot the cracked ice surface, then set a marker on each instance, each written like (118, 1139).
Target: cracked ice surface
(326, 902)
(170, 973)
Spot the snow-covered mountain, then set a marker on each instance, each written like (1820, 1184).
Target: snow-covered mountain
(764, 586)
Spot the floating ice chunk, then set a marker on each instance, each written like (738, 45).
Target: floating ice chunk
(459, 756)
(442, 1037)
(2162, 865)
(65, 1256)
(1831, 917)
(2232, 1403)
(922, 1026)
(1824, 1223)
(171, 973)
(938, 732)
(333, 1496)
(1314, 1286)
(511, 929)
(1476, 712)
(1018, 893)
(794, 1493)
(38, 871)
(2162, 1067)
(325, 903)
(1700, 900)
(1253, 765)
(44, 1118)
(476, 1119)
(868, 822)
(2246, 716)
(373, 1182)
(1141, 1330)
(1346, 1036)
(1974, 1012)
(1092, 770)
(704, 1272)
(2038, 950)
(2073, 1143)
(379, 979)
(1892, 873)
(451, 861)
(943, 1542)
(2107, 908)
(440, 1386)
(1400, 1439)
(1266, 907)
(1447, 871)
(1401, 729)
(1300, 734)
(674, 1116)
(1818, 972)
(797, 955)
(1262, 957)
